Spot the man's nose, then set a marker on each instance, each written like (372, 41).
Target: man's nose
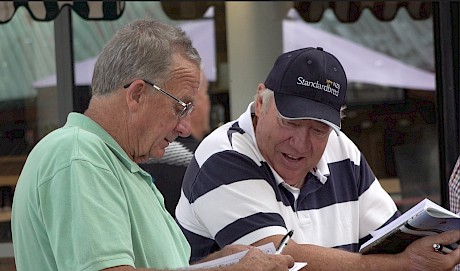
(300, 139)
(184, 126)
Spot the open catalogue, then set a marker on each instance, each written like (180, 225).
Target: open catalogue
(425, 218)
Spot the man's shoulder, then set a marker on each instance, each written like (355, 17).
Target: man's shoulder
(227, 138)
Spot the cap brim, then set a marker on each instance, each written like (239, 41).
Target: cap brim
(295, 107)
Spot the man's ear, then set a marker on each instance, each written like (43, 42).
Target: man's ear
(135, 95)
(261, 87)
(258, 101)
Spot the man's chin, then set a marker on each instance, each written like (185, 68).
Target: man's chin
(157, 155)
(142, 160)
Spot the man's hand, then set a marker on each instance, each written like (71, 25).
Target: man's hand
(257, 260)
(420, 255)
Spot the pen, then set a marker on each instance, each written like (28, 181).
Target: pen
(284, 242)
(441, 248)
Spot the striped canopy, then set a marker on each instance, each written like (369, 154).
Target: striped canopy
(312, 11)
(49, 10)
(350, 11)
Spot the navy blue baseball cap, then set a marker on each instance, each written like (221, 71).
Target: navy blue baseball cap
(309, 83)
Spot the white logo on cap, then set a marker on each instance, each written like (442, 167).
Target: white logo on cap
(330, 87)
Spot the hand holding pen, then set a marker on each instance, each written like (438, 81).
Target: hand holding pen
(441, 248)
(284, 242)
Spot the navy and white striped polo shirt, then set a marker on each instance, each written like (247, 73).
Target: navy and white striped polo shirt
(231, 195)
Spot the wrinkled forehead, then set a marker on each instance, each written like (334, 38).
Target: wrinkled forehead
(184, 71)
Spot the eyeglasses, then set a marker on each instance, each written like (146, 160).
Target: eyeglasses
(187, 108)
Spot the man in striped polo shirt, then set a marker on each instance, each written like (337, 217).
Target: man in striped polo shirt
(285, 165)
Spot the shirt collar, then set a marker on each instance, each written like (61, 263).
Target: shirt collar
(86, 123)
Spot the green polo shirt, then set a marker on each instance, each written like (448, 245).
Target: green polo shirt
(82, 204)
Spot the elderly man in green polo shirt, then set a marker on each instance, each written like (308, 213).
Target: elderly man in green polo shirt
(82, 202)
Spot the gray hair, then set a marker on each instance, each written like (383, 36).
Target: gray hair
(267, 94)
(142, 49)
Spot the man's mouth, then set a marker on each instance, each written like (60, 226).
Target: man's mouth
(290, 157)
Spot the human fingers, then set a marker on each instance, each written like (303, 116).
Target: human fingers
(287, 258)
(448, 237)
(421, 254)
(444, 238)
(258, 260)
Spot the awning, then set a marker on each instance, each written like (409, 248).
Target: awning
(362, 64)
(49, 10)
(312, 11)
(350, 11)
(57, 11)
